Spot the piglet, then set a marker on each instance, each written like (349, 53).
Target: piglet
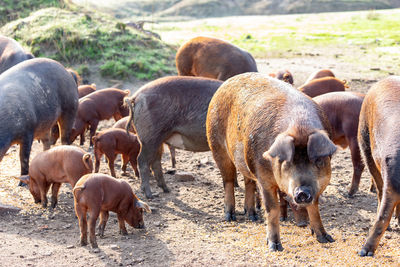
(84, 90)
(60, 164)
(99, 105)
(97, 194)
(323, 85)
(320, 74)
(115, 141)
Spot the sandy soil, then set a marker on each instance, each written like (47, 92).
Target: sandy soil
(186, 227)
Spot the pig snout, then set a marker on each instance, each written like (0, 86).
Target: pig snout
(302, 195)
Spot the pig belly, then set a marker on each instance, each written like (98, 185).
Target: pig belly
(186, 143)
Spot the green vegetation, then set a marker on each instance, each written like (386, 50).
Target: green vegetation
(268, 36)
(12, 9)
(75, 38)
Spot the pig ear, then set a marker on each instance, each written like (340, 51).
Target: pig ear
(143, 205)
(24, 178)
(283, 148)
(319, 145)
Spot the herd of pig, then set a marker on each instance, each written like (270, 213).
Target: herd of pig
(281, 139)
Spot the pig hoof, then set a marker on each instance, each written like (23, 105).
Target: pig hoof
(170, 172)
(325, 238)
(94, 245)
(352, 193)
(123, 232)
(364, 252)
(302, 224)
(230, 217)
(22, 184)
(273, 247)
(166, 189)
(83, 243)
(253, 217)
(124, 174)
(283, 219)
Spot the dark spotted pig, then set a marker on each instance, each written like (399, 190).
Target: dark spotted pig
(11, 53)
(378, 136)
(169, 110)
(34, 95)
(276, 137)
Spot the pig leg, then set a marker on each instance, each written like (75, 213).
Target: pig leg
(103, 220)
(66, 123)
(125, 161)
(249, 199)
(82, 138)
(173, 160)
(270, 198)
(228, 173)
(282, 206)
(397, 214)
(97, 154)
(93, 215)
(54, 193)
(157, 170)
(81, 214)
(24, 153)
(358, 166)
(110, 159)
(316, 224)
(133, 161)
(121, 223)
(43, 189)
(93, 128)
(381, 223)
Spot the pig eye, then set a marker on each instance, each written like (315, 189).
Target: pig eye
(320, 162)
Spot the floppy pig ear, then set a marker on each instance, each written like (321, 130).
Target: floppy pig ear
(283, 148)
(319, 145)
(143, 205)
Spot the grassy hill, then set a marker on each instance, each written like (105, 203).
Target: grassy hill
(12, 9)
(82, 39)
(163, 9)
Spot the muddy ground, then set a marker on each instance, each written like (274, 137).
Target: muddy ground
(186, 227)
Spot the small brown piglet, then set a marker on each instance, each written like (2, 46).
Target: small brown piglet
(122, 125)
(97, 194)
(322, 86)
(86, 89)
(320, 74)
(99, 105)
(283, 75)
(115, 141)
(60, 164)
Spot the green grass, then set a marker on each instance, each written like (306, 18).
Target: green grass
(14, 9)
(275, 35)
(75, 38)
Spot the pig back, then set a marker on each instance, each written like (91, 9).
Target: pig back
(174, 104)
(11, 53)
(379, 118)
(249, 110)
(33, 94)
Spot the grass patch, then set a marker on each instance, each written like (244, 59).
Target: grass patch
(75, 38)
(12, 9)
(265, 36)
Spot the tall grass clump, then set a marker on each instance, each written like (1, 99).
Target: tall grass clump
(75, 38)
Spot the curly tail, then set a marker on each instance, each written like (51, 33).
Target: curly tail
(345, 84)
(130, 102)
(75, 189)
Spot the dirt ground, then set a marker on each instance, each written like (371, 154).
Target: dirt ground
(186, 227)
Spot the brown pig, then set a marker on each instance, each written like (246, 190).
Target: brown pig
(319, 74)
(169, 110)
(99, 105)
(276, 137)
(283, 75)
(378, 136)
(97, 194)
(60, 164)
(115, 141)
(122, 123)
(322, 86)
(84, 90)
(343, 110)
(213, 58)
